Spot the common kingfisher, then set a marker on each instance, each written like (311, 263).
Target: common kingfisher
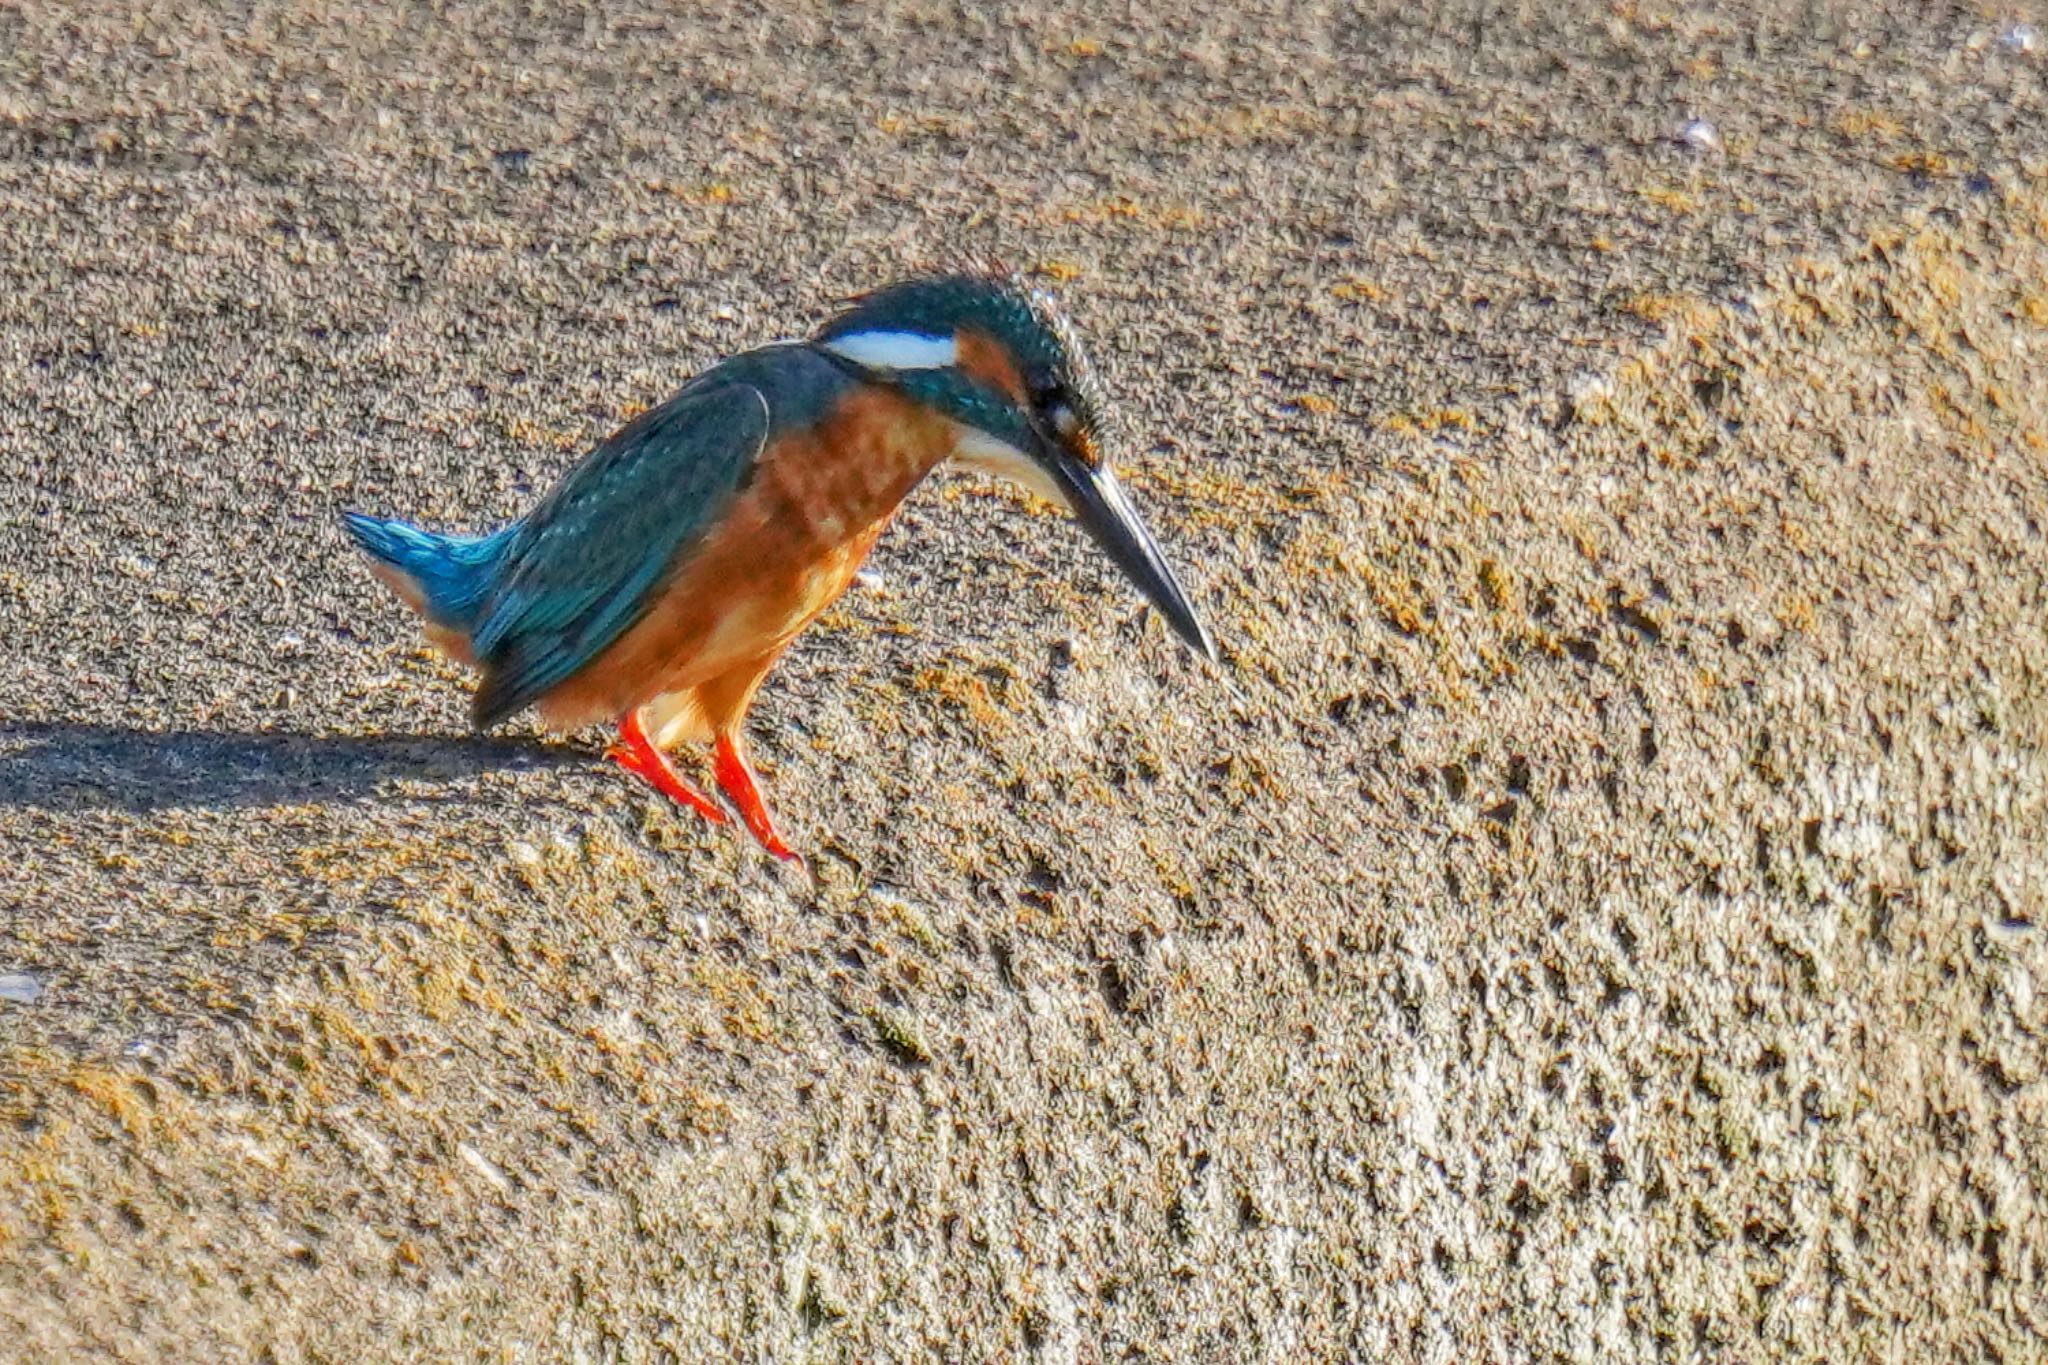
(658, 582)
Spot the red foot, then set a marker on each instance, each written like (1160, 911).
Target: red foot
(736, 780)
(636, 753)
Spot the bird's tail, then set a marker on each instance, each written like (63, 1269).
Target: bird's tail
(444, 578)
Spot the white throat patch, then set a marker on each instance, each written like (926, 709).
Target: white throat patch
(896, 350)
(980, 451)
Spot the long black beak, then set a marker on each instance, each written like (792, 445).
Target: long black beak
(1102, 506)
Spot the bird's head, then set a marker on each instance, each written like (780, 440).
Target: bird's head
(1007, 370)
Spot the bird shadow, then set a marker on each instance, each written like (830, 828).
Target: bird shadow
(64, 767)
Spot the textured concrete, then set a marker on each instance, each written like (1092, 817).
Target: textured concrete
(1594, 915)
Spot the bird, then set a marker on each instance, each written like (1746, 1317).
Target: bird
(656, 584)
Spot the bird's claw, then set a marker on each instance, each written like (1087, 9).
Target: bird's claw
(637, 755)
(736, 779)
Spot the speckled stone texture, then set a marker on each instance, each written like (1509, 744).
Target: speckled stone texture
(1595, 914)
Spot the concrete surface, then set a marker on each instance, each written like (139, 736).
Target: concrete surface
(1595, 915)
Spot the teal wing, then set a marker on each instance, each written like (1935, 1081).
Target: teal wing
(585, 565)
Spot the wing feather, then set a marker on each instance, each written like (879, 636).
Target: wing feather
(586, 565)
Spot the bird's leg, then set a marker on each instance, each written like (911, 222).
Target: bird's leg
(736, 779)
(636, 753)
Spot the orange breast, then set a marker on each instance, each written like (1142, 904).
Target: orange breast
(785, 551)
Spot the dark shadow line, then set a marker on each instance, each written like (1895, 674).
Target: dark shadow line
(64, 767)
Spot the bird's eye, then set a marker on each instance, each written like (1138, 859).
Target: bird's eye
(1050, 398)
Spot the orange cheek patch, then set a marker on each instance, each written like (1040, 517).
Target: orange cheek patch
(981, 356)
